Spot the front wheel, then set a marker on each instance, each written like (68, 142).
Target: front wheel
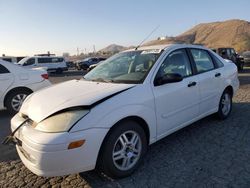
(225, 105)
(123, 150)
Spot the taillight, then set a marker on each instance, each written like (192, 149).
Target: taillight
(45, 76)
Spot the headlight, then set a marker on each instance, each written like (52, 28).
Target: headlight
(61, 122)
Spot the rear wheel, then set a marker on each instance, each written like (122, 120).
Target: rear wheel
(123, 150)
(241, 66)
(15, 100)
(225, 106)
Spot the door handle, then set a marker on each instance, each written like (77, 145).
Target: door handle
(217, 74)
(191, 84)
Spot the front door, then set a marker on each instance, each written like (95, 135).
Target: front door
(177, 103)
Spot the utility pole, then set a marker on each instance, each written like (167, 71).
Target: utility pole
(77, 51)
(94, 48)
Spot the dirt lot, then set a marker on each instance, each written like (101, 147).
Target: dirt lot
(208, 153)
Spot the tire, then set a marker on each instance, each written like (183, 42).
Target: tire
(59, 71)
(130, 156)
(225, 105)
(240, 65)
(15, 99)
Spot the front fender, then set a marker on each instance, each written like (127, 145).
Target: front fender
(110, 118)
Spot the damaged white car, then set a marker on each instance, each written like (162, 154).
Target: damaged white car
(107, 120)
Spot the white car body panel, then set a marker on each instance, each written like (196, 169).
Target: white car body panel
(20, 77)
(164, 109)
(168, 110)
(78, 93)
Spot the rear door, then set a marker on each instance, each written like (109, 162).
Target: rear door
(6, 79)
(209, 78)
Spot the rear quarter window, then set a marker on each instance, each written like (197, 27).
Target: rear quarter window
(3, 69)
(217, 61)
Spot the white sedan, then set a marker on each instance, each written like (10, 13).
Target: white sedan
(16, 83)
(107, 120)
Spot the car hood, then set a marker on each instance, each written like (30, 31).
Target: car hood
(48, 101)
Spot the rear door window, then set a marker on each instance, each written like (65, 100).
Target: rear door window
(217, 61)
(202, 60)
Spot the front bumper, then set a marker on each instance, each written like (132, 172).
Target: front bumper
(47, 154)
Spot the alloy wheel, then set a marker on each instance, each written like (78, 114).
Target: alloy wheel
(226, 104)
(17, 101)
(127, 150)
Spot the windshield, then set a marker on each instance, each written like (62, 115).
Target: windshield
(22, 61)
(125, 67)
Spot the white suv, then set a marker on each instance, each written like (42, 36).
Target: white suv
(51, 64)
(16, 83)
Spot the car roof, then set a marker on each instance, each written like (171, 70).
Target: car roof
(45, 56)
(167, 46)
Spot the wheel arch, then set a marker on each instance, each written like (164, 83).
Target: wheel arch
(15, 90)
(230, 89)
(141, 122)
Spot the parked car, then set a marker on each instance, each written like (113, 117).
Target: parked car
(230, 54)
(246, 56)
(70, 64)
(52, 64)
(11, 59)
(84, 64)
(16, 83)
(94, 66)
(133, 99)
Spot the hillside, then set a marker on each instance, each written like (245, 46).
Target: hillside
(231, 33)
(113, 48)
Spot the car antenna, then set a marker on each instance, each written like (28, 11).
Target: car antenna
(147, 37)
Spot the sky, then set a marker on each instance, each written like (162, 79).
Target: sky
(28, 27)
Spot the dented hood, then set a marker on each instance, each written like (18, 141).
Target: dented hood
(48, 101)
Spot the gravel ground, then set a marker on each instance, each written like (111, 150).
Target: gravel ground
(208, 153)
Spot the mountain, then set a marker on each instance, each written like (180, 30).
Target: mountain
(231, 33)
(113, 48)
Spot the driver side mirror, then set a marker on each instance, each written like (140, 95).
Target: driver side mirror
(168, 78)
